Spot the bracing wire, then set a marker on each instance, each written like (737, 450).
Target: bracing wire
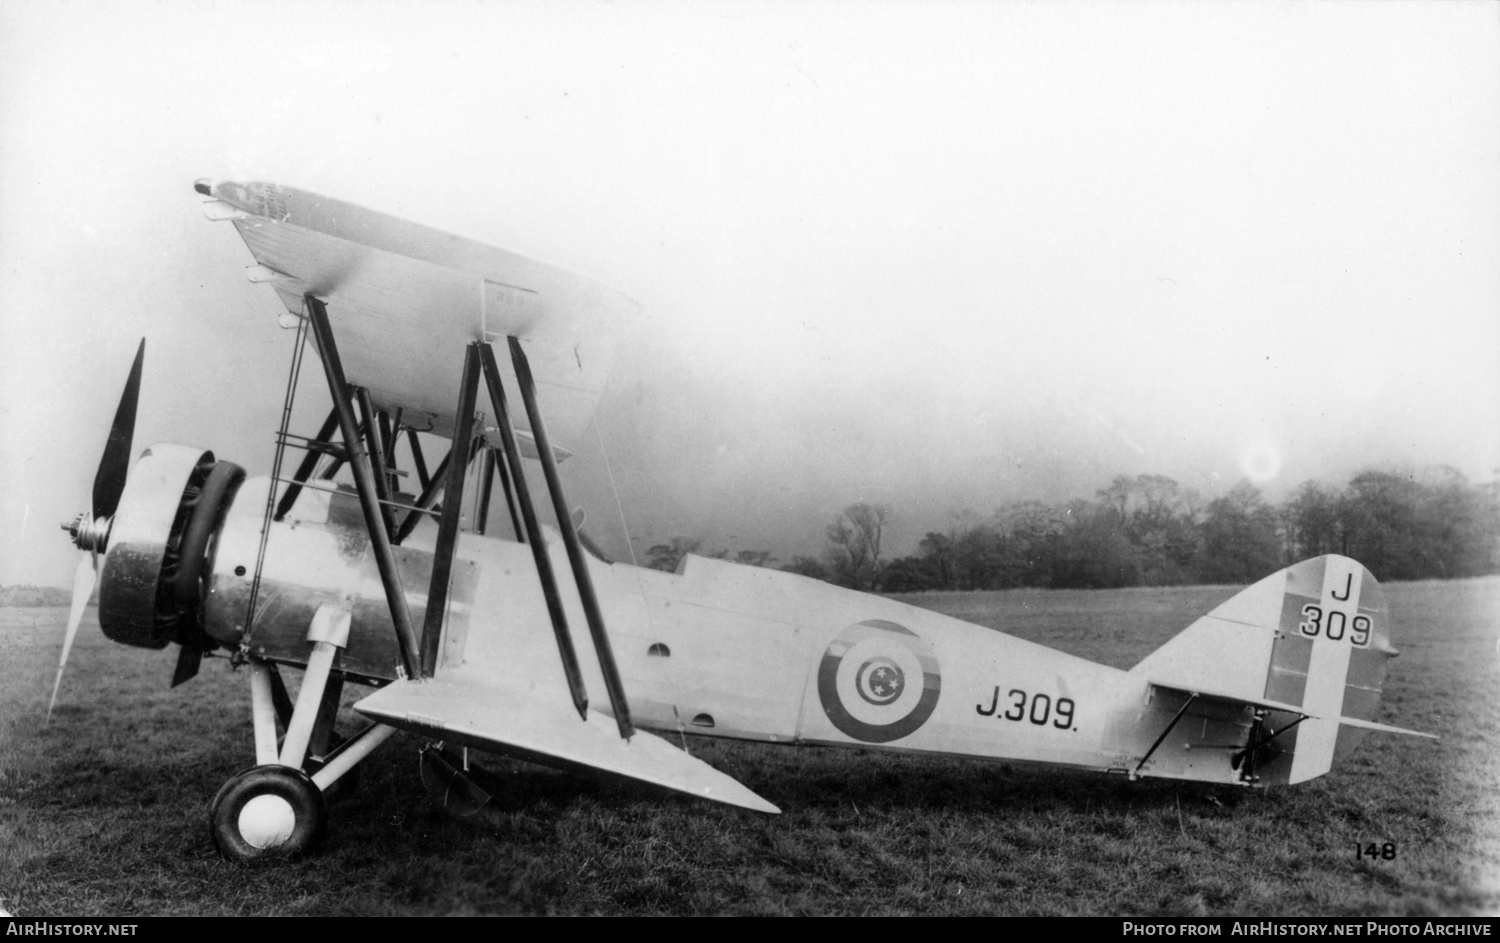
(619, 508)
(298, 347)
(630, 544)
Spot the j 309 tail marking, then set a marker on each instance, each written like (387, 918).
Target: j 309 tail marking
(1338, 624)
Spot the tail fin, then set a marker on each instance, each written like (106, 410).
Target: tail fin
(1314, 637)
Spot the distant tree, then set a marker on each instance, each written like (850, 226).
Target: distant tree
(980, 557)
(1380, 517)
(668, 556)
(1094, 550)
(755, 557)
(1241, 542)
(1159, 519)
(1313, 522)
(912, 574)
(1401, 526)
(853, 550)
(1458, 525)
(936, 555)
(808, 566)
(1036, 531)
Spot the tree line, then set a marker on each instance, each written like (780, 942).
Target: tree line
(27, 596)
(1150, 531)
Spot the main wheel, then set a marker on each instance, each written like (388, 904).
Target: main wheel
(266, 812)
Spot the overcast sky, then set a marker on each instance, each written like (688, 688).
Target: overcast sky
(941, 256)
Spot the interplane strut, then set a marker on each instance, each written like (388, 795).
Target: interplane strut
(585, 583)
(367, 448)
(538, 546)
(364, 478)
(447, 542)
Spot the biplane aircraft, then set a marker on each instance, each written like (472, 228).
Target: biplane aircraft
(467, 638)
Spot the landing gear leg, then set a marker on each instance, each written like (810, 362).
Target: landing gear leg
(276, 810)
(1244, 760)
(1247, 759)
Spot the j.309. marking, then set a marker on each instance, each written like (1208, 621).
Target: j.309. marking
(1042, 708)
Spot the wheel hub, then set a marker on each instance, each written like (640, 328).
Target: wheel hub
(267, 821)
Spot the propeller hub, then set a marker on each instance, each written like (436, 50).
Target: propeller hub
(89, 532)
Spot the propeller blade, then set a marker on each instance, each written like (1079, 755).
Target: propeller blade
(83, 588)
(188, 660)
(114, 465)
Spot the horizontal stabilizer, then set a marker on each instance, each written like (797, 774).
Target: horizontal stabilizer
(1289, 709)
(1199, 691)
(1383, 728)
(497, 719)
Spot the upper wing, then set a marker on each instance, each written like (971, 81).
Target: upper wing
(404, 299)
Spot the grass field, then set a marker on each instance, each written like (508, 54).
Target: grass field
(104, 811)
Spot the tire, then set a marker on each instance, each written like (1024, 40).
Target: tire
(266, 813)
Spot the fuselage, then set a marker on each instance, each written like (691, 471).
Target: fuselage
(717, 648)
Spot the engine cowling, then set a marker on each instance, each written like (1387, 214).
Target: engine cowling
(180, 564)
(160, 547)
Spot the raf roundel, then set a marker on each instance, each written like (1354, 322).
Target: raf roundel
(878, 681)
